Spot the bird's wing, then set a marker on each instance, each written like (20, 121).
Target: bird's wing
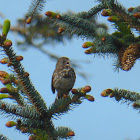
(52, 87)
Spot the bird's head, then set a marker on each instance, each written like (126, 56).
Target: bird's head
(62, 63)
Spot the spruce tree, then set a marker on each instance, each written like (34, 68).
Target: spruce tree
(30, 114)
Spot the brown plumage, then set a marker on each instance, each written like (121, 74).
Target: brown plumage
(63, 78)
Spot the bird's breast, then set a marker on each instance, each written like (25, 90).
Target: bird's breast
(64, 80)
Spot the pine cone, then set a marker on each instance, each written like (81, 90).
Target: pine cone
(128, 56)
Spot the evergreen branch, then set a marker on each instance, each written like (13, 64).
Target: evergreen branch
(29, 89)
(31, 126)
(49, 127)
(123, 29)
(105, 44)
(42, 129)
(18, 98)
(107, 3)
(36, 6)
(75, 24)
(26, 112)
(136, 105)
(9, 80)
(118, 10)
(74, 30)
(2, 137)
(16, 95)
(83, 24)
(79, 26)
(63, 132)
(39, 134)
(126, 94)
(93, 11)
(120, 94)
(63, 105)
(31, 33)
(32, 123)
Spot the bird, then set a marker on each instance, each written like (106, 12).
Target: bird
(63, 77)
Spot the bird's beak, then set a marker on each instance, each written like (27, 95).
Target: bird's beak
(68, 64)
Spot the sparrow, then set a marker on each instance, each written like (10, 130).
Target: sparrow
(63, 77)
